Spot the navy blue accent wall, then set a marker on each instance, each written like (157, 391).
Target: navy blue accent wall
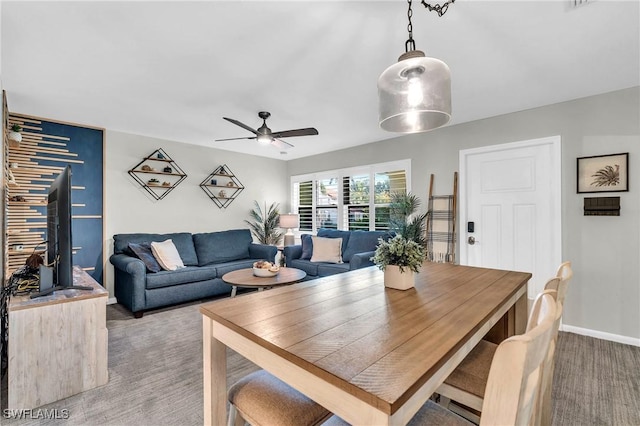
(82, 148)
(86, 195)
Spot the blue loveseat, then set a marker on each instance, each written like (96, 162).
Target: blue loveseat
(207, 257)
(357, 248)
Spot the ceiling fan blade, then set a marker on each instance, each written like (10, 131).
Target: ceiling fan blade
(244, 126)
(281, 144)
(309, 131)
(235, 139)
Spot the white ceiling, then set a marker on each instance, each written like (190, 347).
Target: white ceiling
(172, 70)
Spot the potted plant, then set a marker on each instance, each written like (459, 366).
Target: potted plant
(265, 224)
(400, 258)
(15, 135)
(404, 218)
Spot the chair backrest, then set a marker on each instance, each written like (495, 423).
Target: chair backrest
(543, 413)
(565, 273)
(513, 386)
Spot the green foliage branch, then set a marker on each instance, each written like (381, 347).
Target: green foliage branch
(265, 223)
(399, 251)
(404, 218)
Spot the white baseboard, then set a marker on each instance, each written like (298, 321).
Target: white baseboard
(112, 301)
(601, 335)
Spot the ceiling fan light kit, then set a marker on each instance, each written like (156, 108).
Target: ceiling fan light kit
(414, 94)
(265, 136)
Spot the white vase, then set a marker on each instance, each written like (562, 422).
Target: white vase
(393, 278)
(15, 136)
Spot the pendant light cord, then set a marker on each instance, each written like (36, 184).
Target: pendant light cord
(440, 9)
(410, 45)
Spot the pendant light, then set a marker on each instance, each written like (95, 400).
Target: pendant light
(415, 93)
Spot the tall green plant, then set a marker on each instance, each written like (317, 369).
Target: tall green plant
(404, 218)
(264, 225)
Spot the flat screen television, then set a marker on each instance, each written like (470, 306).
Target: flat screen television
(59, 240)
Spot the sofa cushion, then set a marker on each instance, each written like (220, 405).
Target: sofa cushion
(361, 241)
(334, 233)
(182, 240)
(310, 268)
(325, 269)
(167, 255)
(143, 252)
(186, 275)
(225, 267)
(307, 246)
(327, 250)
(223, 246)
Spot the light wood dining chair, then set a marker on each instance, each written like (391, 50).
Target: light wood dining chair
(514, 380)
(466, 385)
(264, 400)
(563, 275)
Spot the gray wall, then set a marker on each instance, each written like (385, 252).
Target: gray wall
(605, 251)
(129, 208)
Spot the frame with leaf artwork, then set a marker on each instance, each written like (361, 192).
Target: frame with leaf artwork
(603, 173)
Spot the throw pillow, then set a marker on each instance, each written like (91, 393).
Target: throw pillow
(143, 252)
(327, 250)
(167, 255)
(307, 246)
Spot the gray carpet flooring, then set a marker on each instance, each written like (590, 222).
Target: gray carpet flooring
(155, 376)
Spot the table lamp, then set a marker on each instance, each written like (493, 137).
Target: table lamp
(288, 222)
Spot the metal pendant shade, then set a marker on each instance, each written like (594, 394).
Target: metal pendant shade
(414, 94)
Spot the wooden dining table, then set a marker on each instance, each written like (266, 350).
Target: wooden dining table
(370, 354)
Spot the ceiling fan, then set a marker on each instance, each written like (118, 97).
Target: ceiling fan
(265, 136)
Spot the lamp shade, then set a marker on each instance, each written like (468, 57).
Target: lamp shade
(289, 221)
(414, 94)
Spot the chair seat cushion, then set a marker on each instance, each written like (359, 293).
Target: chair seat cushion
(472, 373)
(263, 399)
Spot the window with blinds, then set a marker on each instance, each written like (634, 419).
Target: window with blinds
(303, 194)
(355, 199)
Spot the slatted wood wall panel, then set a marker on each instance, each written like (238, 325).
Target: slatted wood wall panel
(46, 148)
(5, 191)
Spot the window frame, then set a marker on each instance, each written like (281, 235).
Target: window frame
(339, 175)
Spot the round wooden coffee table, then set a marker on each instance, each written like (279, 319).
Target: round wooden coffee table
(244, 278)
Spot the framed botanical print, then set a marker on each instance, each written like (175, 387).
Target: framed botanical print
(603, 173)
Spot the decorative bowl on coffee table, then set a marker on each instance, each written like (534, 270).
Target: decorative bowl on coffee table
(261, 272)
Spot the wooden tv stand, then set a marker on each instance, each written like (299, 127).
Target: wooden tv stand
(57, 344)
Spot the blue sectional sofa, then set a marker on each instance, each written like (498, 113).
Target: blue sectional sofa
(207, 257)
(357, 248)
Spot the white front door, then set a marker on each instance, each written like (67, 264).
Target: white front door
(510, 208)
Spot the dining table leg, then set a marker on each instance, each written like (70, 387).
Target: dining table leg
(521, 314)
(513, 322)
(214, 362)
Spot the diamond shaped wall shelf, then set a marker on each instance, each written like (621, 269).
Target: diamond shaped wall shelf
(158, 174)
(222, 186)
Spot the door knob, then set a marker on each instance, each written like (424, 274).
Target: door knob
(472, 240)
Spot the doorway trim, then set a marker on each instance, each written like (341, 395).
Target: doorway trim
(555, 195)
